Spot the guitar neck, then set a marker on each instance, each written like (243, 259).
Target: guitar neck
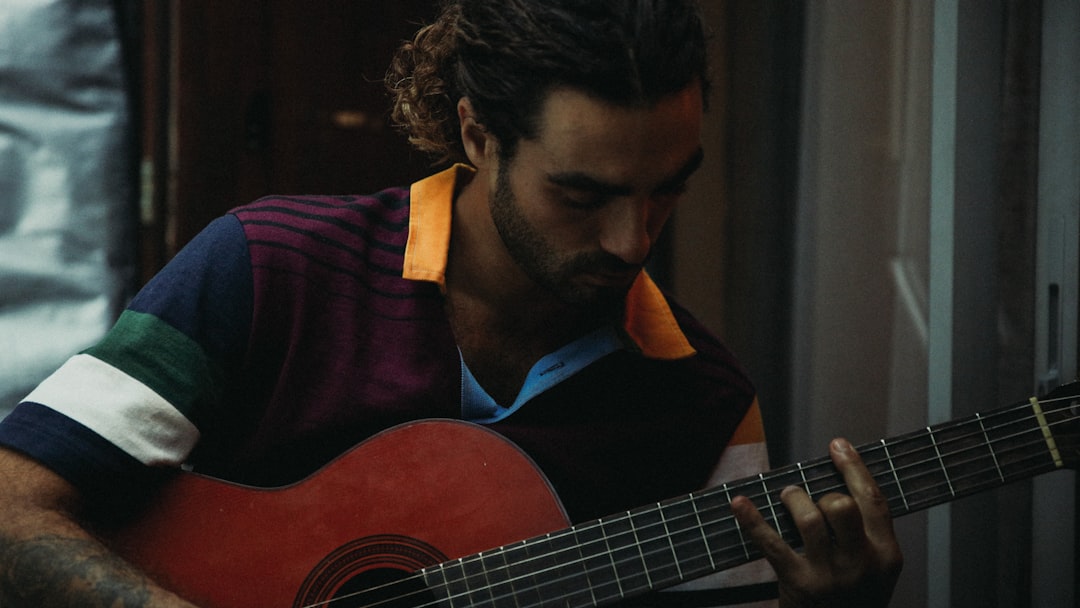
(659, 545)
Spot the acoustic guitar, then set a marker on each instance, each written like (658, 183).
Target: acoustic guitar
(449, 514)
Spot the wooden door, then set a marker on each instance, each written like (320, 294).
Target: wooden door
(246, 99)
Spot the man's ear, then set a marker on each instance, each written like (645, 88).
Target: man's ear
(480, 146)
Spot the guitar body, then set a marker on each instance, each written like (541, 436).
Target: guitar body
(413, 496)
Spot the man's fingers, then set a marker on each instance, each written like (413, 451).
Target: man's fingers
(814, 529)
(755, 529)
(851, 556)
(842, 513)
(872, 503)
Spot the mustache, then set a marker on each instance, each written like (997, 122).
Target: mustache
(602, 262)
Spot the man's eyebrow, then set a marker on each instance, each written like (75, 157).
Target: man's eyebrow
(576, 180)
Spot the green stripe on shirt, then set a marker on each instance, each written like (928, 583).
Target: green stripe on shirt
(161, 357)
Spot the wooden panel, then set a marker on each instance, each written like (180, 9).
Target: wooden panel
(283, 97)
(330, 106)
(220, 60)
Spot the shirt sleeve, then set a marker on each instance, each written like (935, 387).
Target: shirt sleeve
(746, 453)
(128, 404)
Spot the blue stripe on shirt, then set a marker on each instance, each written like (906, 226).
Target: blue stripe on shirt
(74, 452)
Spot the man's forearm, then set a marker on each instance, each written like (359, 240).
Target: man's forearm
(48, 560)
(48, 571)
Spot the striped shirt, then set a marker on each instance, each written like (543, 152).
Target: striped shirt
(295, 327)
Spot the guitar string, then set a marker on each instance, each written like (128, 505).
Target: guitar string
(577, 547)
(736, 547)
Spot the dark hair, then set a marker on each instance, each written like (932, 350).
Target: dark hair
(507, 55)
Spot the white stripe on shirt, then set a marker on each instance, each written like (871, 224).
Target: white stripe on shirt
(121, 409)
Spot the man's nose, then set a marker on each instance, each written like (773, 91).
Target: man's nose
(626, 231)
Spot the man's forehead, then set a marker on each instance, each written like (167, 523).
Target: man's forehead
(584, 138)
(562, 98)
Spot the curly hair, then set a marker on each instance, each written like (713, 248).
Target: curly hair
(507, 55)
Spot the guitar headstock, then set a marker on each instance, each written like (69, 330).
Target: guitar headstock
(1062, 406)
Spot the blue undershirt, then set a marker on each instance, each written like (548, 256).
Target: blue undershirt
(477, 406)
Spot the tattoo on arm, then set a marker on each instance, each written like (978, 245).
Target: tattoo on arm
(57, 571)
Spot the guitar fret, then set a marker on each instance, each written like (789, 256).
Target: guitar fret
(930, 433)
(477, 591)
(585, 565)
(611, 556)
(738, 527)
(701, 529)
(435, 579)
(637, 542)
(544, 569)
(596, 559)
(671, 541)
(772, 507)
(486, 573)
(630, 565)
(1018, 435)
(912, 457)
(971, 458)
(476, 580)
(505, 580)
(547, 570)
(805, 483)
(990, 446)
(661, 559)
(521, 569)
(896, 477)
(692, 555)
(484, 591)
(569, 576)
(455, 585)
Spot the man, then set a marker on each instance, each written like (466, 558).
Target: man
(508, 292)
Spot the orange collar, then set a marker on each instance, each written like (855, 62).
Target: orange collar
(649, 321)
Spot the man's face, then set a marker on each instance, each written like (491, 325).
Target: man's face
(580, 206)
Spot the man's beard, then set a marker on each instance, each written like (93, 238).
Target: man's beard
(535, 256)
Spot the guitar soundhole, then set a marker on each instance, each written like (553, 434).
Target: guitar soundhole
(375, 570)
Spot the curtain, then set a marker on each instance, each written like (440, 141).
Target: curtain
(67, 222)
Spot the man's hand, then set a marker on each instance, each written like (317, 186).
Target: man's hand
(850, 557)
